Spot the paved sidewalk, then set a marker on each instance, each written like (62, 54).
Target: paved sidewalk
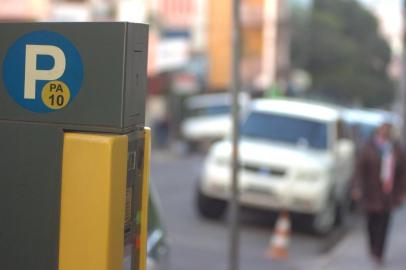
(352, 253)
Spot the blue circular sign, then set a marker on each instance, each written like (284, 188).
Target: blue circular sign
(43, 71)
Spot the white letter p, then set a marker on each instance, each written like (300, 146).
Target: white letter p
(32, 74)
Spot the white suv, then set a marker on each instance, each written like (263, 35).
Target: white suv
(293, 156)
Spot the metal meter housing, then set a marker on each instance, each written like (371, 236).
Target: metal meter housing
(100, 68)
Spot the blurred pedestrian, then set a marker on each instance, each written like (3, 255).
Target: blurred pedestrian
(379, 185)
(157, 114)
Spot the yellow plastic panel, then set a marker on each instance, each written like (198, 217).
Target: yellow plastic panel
(145, 199)
(94, 175)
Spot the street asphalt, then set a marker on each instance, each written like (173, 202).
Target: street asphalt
(200, 244)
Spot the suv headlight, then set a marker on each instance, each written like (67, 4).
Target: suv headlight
(310, 176)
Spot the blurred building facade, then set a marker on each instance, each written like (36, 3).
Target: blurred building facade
(182, 28)
(265, 39)
(24, 10)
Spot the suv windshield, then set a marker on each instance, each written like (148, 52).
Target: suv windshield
(286, 129)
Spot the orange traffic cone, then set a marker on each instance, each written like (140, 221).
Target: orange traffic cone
(279, 243)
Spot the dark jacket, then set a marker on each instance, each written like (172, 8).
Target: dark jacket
(367, 179)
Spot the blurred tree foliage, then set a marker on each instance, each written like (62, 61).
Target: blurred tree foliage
(339, 44)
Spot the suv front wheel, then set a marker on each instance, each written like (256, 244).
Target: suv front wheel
(210, 207)
(324, 222)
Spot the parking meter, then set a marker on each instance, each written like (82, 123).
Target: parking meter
(74, 158)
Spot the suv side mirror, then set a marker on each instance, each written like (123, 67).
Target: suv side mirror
(344, 147)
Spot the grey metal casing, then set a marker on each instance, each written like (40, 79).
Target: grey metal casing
(112, 96)
(30, 196)
(111, 100)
